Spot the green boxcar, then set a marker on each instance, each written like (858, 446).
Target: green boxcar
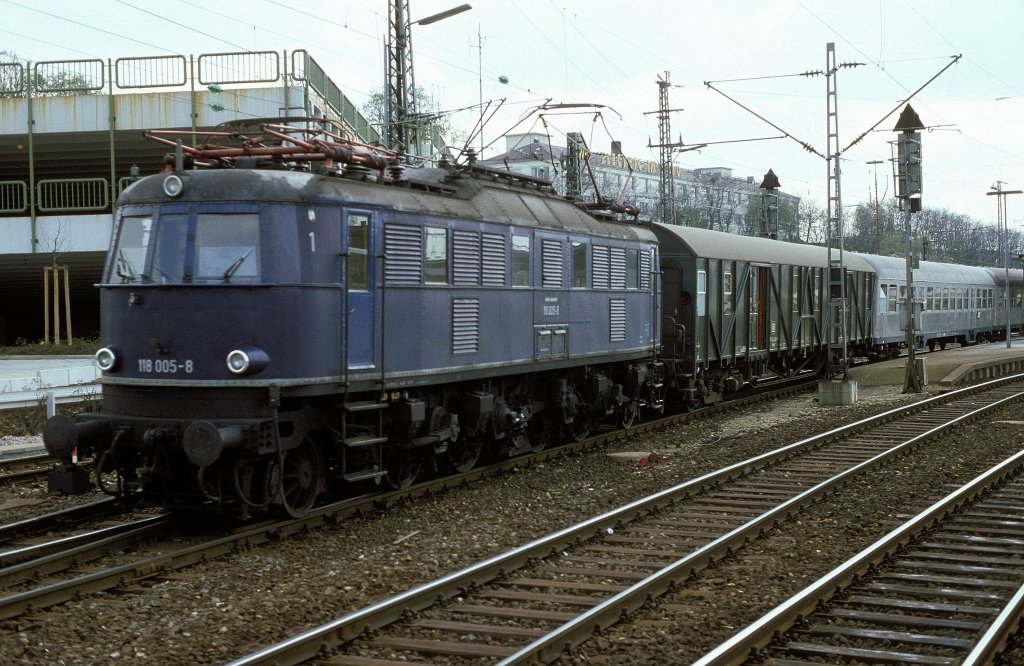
(737, 309)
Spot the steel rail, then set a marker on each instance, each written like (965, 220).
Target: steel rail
(27, 562)
(550, 646)
(994, 638)
(308, 644)
(738, 648)
(48, 521)
(62, 591)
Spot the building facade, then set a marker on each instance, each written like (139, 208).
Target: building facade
(710, 198)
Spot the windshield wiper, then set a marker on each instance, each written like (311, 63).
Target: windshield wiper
(238, 263)
(122, 262)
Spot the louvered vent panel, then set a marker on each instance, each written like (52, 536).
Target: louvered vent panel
(602, 268)
(552, 260)
(466, 258)
(403, 254)
(618, 269)
(645, 269)
(617, 320)
(465, 325)
(494, 260)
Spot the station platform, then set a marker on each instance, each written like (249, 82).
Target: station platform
(25, 380)
(950, 367)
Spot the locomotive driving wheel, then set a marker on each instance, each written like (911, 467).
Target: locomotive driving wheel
(301, 478)
(403, 466)
(627, 413)
(463, 454)
(579, 429)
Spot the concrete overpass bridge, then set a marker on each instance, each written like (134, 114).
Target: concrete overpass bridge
(70, 135)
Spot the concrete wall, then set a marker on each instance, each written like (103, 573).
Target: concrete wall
(91, 113)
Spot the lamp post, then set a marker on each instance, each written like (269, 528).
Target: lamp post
(1003, 226)
(400, 100)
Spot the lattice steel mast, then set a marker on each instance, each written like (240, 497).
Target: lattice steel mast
(666, 188)
(836, 266)
(400, 101)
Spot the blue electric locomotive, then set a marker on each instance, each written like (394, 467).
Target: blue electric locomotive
(312, 314)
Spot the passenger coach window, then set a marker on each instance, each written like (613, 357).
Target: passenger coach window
(520, 261)
(702, 293)
(227, 248)
(727, 292)
(436, 260)
(132, 246)
(358, 244)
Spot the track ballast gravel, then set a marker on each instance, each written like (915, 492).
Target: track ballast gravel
(220, 610)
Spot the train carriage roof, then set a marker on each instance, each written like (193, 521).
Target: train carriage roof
(692, 241)
(895, 269)
(999, 275)
(425, 192)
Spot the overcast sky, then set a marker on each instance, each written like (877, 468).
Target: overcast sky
(611, 53)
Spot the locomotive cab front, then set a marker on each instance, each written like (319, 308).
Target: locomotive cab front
(210, 311)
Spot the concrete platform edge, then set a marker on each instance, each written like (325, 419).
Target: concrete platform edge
(983, 370)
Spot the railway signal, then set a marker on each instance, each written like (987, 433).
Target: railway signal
(908, 191)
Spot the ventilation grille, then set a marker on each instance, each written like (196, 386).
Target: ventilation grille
(403, 254)
(645, 269)
(552, 260)
(494, 260)
(465, 325)
(466, 258)
(617, 320)
(618, 270)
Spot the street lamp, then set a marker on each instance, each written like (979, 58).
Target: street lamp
(1003, 226)
(400, 100)
(440, 16)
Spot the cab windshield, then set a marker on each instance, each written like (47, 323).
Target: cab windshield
(179, 248)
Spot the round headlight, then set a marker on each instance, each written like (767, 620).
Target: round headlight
(173, 185)
(238, 361)
(247, 360)
(107, 359)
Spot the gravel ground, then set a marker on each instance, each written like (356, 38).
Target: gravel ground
(222, 609)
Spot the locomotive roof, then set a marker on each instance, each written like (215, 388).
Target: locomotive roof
(895, 268)
(720, 245)
(446, 193)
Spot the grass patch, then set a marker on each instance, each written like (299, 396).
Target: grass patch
(78, 347)
(26, 421)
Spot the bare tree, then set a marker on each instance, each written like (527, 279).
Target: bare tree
(433, 118)
(15, 77)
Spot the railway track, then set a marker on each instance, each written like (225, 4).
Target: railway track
(58, 520)
(22, 564)
(944, 589)
(532, 603)
(25, 468)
